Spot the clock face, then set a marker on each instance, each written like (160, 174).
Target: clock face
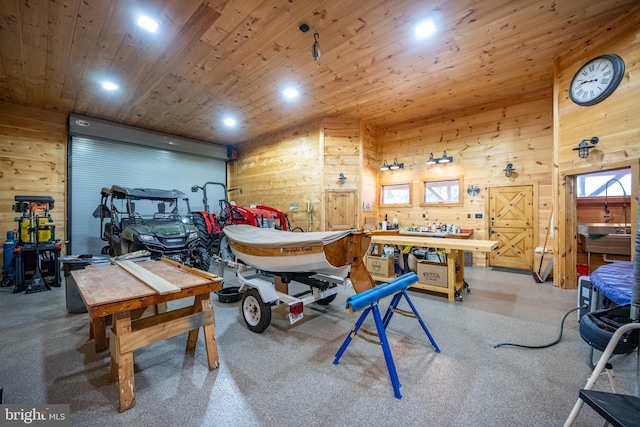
(596, 80)
(473, 190)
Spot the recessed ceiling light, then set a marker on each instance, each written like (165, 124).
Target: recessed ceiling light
(425, 28)
(290, 93)
(229, 122)
(147, 23)
(109, 85)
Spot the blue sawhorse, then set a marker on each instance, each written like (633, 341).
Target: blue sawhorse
(370, 298)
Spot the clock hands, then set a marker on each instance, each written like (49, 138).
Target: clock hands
(588, 81)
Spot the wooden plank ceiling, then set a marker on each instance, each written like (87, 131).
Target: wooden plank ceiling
(210, 58)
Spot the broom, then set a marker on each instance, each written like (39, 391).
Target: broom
(536, 274)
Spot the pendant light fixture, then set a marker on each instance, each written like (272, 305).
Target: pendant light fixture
(315, 49)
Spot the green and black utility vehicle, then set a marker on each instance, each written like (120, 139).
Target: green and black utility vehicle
(159, 221)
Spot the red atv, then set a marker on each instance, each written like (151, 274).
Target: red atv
(210, 224)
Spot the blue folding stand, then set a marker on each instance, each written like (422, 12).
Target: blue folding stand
(370, 298)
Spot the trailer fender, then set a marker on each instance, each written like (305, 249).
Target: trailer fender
(265, 288)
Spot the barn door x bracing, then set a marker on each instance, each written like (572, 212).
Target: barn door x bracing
(511, 224)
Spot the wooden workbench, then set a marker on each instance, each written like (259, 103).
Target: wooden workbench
(113, 291)
(453, 247)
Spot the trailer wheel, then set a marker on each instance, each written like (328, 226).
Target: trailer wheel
(257, 314)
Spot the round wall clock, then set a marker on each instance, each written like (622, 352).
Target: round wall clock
(473, 190)
(596, 80)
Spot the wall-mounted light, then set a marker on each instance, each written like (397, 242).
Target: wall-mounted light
(342, 178)
(508, 171)
(439, 160)
(584, 147)
(445, 158)
(396, 165)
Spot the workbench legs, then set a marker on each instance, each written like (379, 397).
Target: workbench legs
(121, 365)
(127, 336)
(98, 325)
(202, 304)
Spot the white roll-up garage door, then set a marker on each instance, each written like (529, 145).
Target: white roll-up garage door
(130, 159)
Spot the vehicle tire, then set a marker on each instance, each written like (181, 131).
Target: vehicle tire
(205, 237)
(256, 314)
(125, 247)
(202, 259)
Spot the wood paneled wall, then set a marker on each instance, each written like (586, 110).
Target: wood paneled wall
(279, 169)
(615, 121)
(369, 172)
(33, 162)
(299, 165)
(482, 141)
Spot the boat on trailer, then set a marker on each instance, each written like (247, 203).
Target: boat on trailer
(324, 261)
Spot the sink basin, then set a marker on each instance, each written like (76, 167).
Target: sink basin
(613, 243)
(603, 228)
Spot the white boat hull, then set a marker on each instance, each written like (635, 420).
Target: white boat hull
(316, 262)
(280, 251)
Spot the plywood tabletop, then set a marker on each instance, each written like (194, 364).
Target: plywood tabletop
(109, 284)
(434, 242)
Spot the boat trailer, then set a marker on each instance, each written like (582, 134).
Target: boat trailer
(262, 290)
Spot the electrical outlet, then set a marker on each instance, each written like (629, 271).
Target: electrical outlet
(424, 215)
(468, 215)
(478, 216)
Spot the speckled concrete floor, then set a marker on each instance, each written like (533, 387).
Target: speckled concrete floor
(285, 376)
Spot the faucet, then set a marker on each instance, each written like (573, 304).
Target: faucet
(607, 212)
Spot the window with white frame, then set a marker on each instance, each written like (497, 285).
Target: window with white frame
(604, 183)
(396, 194)
(442, 192)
